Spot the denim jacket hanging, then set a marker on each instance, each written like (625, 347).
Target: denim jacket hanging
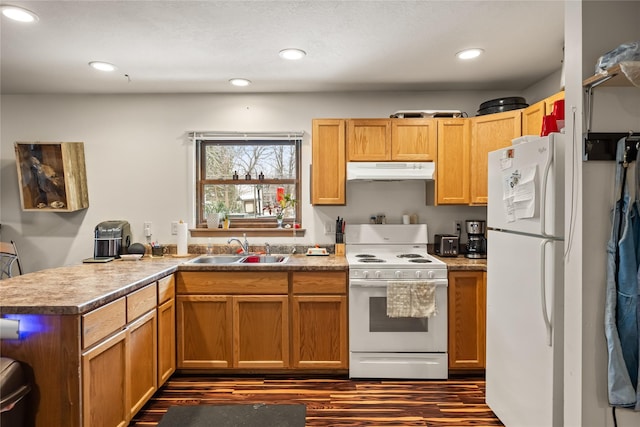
(622, 311)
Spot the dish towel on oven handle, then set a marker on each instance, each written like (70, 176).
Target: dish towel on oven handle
(411, 299)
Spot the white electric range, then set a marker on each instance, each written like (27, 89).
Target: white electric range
(381, 346)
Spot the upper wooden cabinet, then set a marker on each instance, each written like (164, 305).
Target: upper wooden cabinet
(328, 169)
(548, 102)
(532, 118)
(533, 114)
(368, 140)
(371, 140)
(489, 133)
(52, 176)
(452, 176)
(414, 140)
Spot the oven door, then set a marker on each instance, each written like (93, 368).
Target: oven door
(371, 330)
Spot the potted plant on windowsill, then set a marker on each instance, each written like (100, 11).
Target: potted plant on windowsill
(284, 201)
(215, 212)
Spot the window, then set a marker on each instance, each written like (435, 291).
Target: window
(244, 175)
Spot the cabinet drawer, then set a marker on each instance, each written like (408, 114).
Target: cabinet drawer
(166, 288)
(103, 321)
(320, 282)
(141, 301)
(233, 282)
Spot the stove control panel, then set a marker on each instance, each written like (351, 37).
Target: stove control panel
(391, 274)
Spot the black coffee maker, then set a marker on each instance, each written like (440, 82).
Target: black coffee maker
(112, 239)
(476, 242)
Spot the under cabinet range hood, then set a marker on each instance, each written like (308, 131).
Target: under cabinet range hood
(390, 171)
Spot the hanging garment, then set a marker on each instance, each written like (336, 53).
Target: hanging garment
(622, 313)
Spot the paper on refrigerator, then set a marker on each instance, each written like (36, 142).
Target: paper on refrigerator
(519, 193)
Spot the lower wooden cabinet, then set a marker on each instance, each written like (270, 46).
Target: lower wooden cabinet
(467, 320)
(166, 328)
(104, 380)
(119, 373)
(267, 321)
(166, 340)
(142, 362)
(319, 320)
(98, 368)
(261, 331)
(204, 331)
(233, 320)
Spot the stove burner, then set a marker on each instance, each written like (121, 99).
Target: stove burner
(420, 260)
(410, 256)
(372, 260)
(365, 256)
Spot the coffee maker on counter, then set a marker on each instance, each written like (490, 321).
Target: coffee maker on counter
(476, 242)
(112, 239)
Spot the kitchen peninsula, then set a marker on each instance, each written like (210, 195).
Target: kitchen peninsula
(91, 329)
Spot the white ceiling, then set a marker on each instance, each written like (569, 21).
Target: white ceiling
(197, 46)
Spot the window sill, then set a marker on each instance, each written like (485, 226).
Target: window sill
(229, 232)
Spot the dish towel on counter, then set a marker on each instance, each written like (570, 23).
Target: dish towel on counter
(411, 299)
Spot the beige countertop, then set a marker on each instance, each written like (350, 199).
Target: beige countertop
(461, 263)
(81, 288)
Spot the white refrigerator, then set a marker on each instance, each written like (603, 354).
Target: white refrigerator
(525, 289)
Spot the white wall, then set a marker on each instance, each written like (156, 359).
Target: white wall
(137, 156)
(591, 29)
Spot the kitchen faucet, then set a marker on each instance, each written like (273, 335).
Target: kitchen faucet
(244, 246)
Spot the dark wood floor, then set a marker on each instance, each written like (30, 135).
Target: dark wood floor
(336, 402)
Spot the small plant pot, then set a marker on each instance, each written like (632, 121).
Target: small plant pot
(213, 220)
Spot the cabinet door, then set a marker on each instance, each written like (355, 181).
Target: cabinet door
(550, 100)
(320, 331)
(328, 168)
(413, 140)
(467, 319)
(489, 133)
(142, 361)
(166, 340)
(368, 140)
(204, 331)
(532, 118)
(104, 383)
(452, 179)
(260, 331)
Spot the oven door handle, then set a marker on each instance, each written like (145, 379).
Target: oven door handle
(359, 283)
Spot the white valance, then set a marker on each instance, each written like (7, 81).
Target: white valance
(246, 136)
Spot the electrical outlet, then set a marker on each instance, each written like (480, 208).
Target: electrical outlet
(328, 228)
(147, 229)
(457, 227)
(174, 227)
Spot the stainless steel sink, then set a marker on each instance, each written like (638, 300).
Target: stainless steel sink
(217, 259)
(239, 259)
(264, 259)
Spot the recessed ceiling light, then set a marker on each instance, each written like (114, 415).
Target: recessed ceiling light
(240, 82)
(292, 54)
(19, 14)
(469, 53)
(102, 66)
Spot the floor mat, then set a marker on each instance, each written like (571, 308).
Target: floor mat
(254, 415)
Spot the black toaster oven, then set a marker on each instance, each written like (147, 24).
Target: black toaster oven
(446, 244)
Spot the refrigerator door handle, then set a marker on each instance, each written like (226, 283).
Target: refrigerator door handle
(543, 195)
(543, 292)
